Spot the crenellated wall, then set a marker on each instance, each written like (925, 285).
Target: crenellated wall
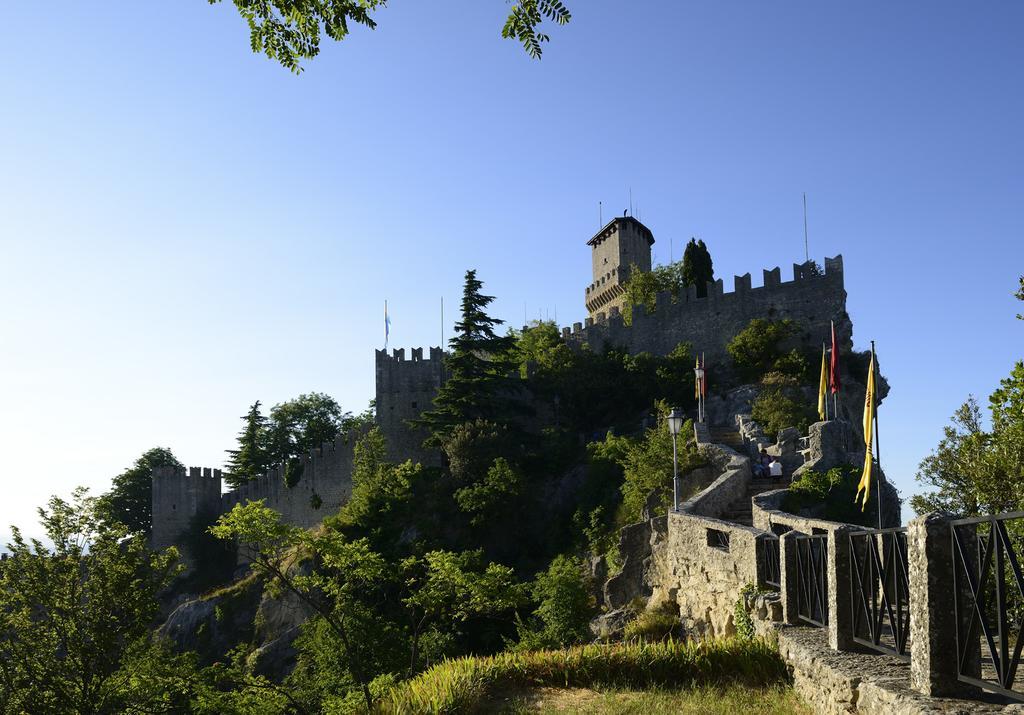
(178, 496)
(325, 485)
(810, 300)
(405, 389)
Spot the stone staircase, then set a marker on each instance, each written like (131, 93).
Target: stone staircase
(741, 510)
(729, 437)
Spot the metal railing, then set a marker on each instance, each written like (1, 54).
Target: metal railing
(880, 590)
(812, 575)
(989, 609)
(768, 544)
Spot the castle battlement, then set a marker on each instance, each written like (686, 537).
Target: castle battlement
(324, 485)
(180, 495)
(811, 299)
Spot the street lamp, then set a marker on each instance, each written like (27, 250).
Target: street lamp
(699, 372)
(675, 423)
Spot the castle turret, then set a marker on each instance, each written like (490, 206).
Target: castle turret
(622, 243)
(179, 497)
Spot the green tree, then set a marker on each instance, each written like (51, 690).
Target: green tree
(289, 31)
(302, 424)
(446, 589)
(478, 384)
(698, 269)
(781, 404)
(756, 349)
(252, 457)
(76, 617)
(564, 607)
(975, 471)
(130, 499)
(486, 497)
(348, 569)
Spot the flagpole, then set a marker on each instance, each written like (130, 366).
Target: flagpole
(442, 322)
(385, 325)
(878, 452)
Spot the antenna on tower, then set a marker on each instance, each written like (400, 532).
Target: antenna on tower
(630, 200)
(807, 254)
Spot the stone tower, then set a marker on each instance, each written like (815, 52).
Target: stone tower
(622, 242)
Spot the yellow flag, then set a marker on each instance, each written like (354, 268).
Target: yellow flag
(869, 421)
(822, 386)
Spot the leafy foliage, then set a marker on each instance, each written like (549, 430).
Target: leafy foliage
(781, 404)
(756, 349)
(697, 267)
(479, 364)
(647, 467)
(977, 471)
(830, 495)
(130, 499)
(524, 18)
(252, 457)
(75, 618)
(370, 612)
(289, 31)
(294, 428)
(565, 607)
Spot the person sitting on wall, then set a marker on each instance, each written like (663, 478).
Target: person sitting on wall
(761, 465)
(775, 468)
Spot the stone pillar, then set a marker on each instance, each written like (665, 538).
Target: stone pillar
(840, 605)
(788, 578)
(933, 643)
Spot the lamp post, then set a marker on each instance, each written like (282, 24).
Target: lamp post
(675, 423)
(699, 372)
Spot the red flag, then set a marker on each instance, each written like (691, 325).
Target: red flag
(833, 371)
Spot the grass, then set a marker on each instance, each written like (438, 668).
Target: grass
(702, 700)
(466, 684)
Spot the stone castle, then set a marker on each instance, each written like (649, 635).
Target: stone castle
(405, 387)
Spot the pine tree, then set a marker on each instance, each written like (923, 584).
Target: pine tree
(251, 459)
(698, 268)
(130, 499)
(478, 385)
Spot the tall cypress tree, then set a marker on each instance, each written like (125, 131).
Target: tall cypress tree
(478, 385)
(698, 268)
(251, 459)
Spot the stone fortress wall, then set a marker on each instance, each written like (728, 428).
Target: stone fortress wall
(406, 387)
(325, 485)
(178, 496)
(810, 300)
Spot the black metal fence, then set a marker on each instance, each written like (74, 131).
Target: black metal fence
(880, 589)
(812, 575)
(989, 585)
(769, 547)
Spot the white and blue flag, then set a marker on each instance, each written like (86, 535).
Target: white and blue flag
(387, 325)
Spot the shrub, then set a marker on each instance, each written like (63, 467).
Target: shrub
(656, 624)
(831, 494)
(647, 467)
(460, 685)
(756, 348)
(565, 607)
(781, 404)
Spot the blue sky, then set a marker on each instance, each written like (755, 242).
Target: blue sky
(185, 227)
